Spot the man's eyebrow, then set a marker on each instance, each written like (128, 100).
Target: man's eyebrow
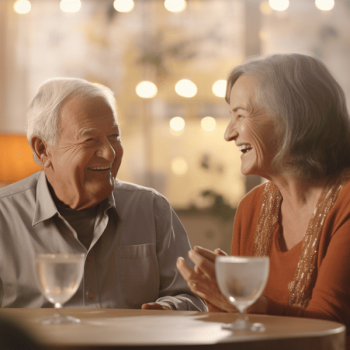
(86, 131)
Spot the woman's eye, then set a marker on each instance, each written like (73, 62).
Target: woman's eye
(115, 136)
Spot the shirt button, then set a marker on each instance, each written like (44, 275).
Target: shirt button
(88, 258)
(91, 295)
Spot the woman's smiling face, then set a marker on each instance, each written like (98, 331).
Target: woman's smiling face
(251, 128)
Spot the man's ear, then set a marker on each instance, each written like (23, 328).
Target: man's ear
(41, 151)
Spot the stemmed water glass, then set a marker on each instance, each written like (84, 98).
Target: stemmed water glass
(59, 276)
(242, 280)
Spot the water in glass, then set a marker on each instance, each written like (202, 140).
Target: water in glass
(59, 276)
(242, 280)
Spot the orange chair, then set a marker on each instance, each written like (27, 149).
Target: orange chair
(16, 159)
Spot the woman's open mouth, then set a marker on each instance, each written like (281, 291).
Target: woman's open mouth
(246, 148)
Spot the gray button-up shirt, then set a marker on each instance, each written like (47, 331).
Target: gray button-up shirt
(131, 260)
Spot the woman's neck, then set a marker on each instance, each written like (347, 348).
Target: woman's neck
(297, 193)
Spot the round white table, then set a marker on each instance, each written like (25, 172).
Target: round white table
(147, 329)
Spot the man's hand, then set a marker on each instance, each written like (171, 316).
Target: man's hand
(202, 279)
(156, 306)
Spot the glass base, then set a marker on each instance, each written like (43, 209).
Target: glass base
(244, 325)
(59, 319)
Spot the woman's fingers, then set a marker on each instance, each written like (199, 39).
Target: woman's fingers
(206, 253)
(203, 264)
(218, 251)
(203, 283)
(187, 273)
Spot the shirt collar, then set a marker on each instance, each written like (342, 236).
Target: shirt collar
(108, 203)
(45, 207)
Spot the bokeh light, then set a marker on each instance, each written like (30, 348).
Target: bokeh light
(324, 5)
(208, 123)
(175, 5)
(263, 35)
(219, 88)
(279, 5)
(179, 166)
(265, 8)
(123, 5)
(177, 123)
(146, 89)
(186, 88)
(70, 6)
(22, 6)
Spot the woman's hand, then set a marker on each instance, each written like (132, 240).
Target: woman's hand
(202, 279)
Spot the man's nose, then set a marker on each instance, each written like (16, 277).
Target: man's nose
(231, 131)
(106, 151)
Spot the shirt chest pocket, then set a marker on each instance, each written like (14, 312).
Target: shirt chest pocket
(138, 273)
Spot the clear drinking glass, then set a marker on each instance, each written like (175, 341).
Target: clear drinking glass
(242, 280)
(59, 276)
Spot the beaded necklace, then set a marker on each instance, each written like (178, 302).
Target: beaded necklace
(304, 278)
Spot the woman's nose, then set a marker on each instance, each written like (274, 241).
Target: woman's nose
(231, 131)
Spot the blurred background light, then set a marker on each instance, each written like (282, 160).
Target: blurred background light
(179, 166)
(175, 5)
(177, 123)
(22, 6)
(263, 35)
(265, 8)
(324, 5)
(186, 88)
(279, 5)
(146, 89)
(219, 88)
(123, 5)
(70, 6)
(208, 123)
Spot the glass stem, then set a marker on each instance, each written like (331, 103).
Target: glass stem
(58, 306)
(242, 318)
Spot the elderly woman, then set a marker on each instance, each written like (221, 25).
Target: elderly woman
(290, 121)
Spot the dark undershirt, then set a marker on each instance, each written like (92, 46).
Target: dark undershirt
(83, 222)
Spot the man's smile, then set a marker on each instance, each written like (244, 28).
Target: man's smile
(101, 168)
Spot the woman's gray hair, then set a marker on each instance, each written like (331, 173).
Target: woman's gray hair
(44, 111)
(309, 110)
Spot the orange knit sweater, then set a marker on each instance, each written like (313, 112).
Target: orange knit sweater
(331, 293)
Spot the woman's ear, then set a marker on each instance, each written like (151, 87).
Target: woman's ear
(41, 151)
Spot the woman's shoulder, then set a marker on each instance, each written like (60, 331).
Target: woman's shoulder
(250, 205)
(339, 213)
(343, 199)
(255, 196)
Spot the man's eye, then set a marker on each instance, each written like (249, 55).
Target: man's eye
(89, 140)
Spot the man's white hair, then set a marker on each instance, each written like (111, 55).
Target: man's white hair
(44, 111)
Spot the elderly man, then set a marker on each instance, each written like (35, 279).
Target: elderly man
(130, 234)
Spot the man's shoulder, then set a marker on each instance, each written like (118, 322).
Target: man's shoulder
(134, 188)
(138, 196)
(17, 188)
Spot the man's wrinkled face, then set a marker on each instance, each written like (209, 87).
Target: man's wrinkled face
(88, 154)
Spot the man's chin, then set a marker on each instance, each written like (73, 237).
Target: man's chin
(95, 194)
